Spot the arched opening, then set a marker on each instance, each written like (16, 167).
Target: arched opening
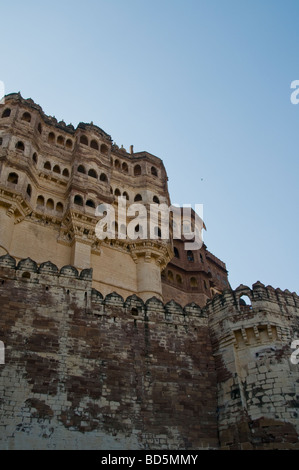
(125, 194)
(190, 256)
(56, 169)
(193, 282)
(176, 253)
(26, 275)
(94, 145)
(117, 164)
(29, 190)
(26, 117)
(83, 140)
(156, 200)
(104, 149)
(81, 169)
(154, 171)
(6, 113)
(170, 276)
(137, 170)
(138, 198)
(66, 173)
(51, 137)
(20, 146)
(245, 303)
(103, 178)
(40, 201)
(125, 167)
(117, 193)
(78, 200)
(47, 166)
(59, 207)
(34, 158)
(157, 232)
(93, 174)
(50, 204)
(90, 203)
(13, 178)
(39, 128)
(69, 144)
(60, 140)
(179, 279)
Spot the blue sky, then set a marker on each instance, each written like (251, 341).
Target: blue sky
(202, 84)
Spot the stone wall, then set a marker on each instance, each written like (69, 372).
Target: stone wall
(87, 372)
(258, 385)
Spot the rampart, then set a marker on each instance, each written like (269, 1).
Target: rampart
(84, 371)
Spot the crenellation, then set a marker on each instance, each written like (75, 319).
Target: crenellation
(118, 343)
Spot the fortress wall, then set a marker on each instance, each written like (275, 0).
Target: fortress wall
(84, 371)
(258, 385)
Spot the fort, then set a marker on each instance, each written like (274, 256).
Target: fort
(125, 344)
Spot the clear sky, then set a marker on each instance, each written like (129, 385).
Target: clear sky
(202, 84)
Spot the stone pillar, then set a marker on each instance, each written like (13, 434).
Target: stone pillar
(151, 257)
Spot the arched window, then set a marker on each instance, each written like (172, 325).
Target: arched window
(137, 170)
(104, 149)
(26, 117)
(40, 201)
(47, 166)
(81, 169)
(179, 279)
(29, 190)
(117, 164)
(190, 256)
(6, 113)
(138, 198)
(117, 192)
(176, 253)
(83, 140)
(39, 128)
(20, 146)
(60, 140)
(125, 167)
(78, 200)
(170, 276)
(66, 173)
(94, 145)
(157, 232)
(51, 137)
(93, 174)
(193, 282)
(69, 144)
(156, 200)
(154, 171)
(90, 203)
(245, 303)
(103, 177)
(13, 178)
(59, 207)
(56, 169)
(34, 158)
(50, 204)
(126, 196)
